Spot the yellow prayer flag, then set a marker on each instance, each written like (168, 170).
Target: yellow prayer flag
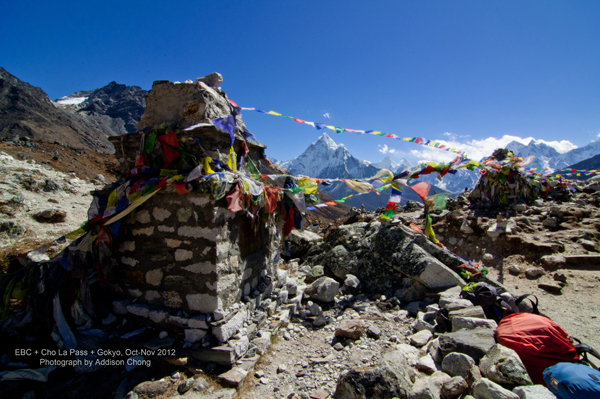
(273, 113)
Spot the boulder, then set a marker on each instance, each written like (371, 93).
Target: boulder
(403, 359)
(475, 343)
(486, 389)
(380, 382)
(234, 377)
(421, 338)
(453, 303)
(315, 273)
(552, 288)
(323, 289)
(426, 365)
(352, 284)
(413, 291)
(51, 216)
(534, 273)
(352, 329)
(473, 312)
(152, 389)
(425, 321)
(461, 365)
(533, 392)
(471, 323)
(454, 387)
(424, 388)
(503, 366)
(341, 262)
(302, 241)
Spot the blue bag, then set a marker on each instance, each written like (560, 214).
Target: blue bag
(573, 381)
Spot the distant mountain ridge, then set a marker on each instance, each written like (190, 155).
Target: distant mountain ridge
(81, 119)
(548, 157)
(26, 111)
(326, 159)
(123, 104)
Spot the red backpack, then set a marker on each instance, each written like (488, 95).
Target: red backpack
(538, 341)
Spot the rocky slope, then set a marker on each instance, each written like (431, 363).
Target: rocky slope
(115, 108)
(26, 111)
(40, 177)
(319, 335)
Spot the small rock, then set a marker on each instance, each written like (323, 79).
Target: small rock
(314, 309)
(552, 288)
(352, 329)
(470, 323)
(426, 364)
(421, 338)
(151, 388)
(323, 289)
(281, 369)
(554, 261)
(352, 284)
(466, 229)
(459, 364)
(454, 387)
(51, 216)
(338, 346)
(534, 392)
(486, 389)
(503, 366)
(560, 276)
(488, 257)
(319, 394)
(234, 377)
(374, 332)
(534, 273)
(163, 335)
(185, 386)
(587, 244)
(319, 321)
(550, 222)
(514, 270)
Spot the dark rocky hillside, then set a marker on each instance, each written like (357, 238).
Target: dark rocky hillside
(26, 111)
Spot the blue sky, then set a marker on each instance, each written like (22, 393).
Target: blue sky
(466, 71)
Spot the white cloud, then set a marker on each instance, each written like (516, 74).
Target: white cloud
(477, 149)
(560, 146)
(327, 115)
(384, 149)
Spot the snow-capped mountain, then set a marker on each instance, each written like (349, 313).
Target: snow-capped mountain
(576, 155)
(548, 157)
(115, 108)
(326, 159)
(390, 164)
(542, 152)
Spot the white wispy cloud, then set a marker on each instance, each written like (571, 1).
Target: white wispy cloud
(327, 115)
(477, 149)
(384, 149)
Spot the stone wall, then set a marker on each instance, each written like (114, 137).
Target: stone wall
(185, 252)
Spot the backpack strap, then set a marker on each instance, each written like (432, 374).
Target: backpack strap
(534, 304)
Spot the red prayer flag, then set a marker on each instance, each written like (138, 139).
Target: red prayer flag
(421, 188)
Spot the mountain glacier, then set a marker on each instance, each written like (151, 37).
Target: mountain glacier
(548, 157)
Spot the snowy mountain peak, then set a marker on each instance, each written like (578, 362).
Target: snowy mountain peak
(327, 142)
(387, 163)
